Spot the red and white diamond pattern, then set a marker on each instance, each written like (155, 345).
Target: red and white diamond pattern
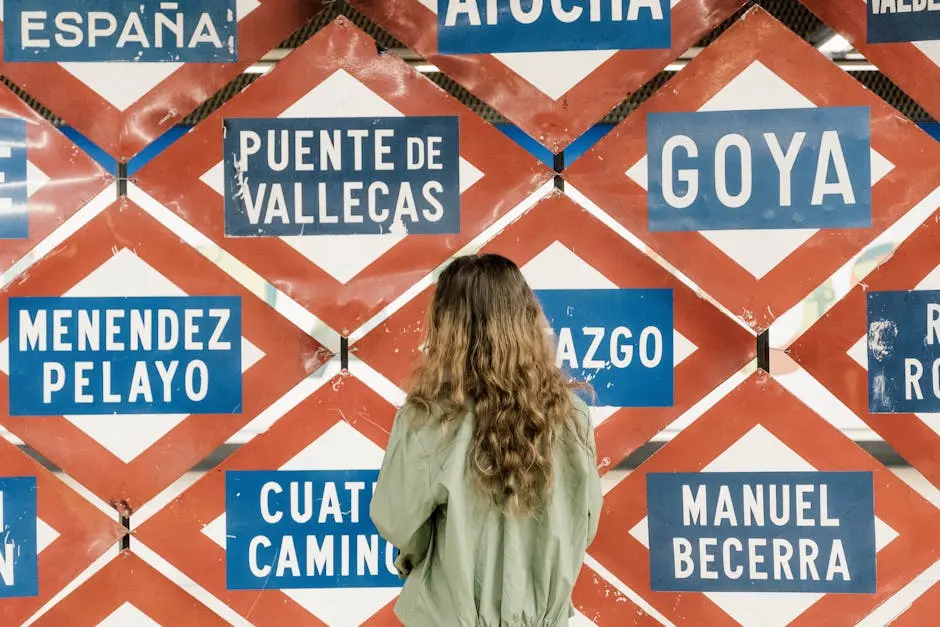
(127, 275)
(758, 275)
(342, 256)
(770, 609)
(914, 66)
(344, 279)
(343, 441)
(758, 88)
(123, 84)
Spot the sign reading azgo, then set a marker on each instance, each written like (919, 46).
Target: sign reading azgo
(620, 341)
(140, 355)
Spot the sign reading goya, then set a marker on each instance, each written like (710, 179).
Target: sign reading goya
(19, 568)
(55, 31)
(892, 21)
(485, 26)
(618, 340)
(304, 529)
(329, 176)
(14, 219)
(762, 169)
(141, 355)
(904, 351)
(761, 531)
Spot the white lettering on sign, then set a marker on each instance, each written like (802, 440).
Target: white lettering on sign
(913, 372)
(760, 558)
(47, 330)
(302, 500)
(733, 148)
(933, 322)
(914, 368)
(617, 350)
(335, 150)
(7, 553)
(597, 10)
(73, 29)
(320, 554)
(882, 7)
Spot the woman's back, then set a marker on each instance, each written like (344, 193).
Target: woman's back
(470, 563)
(489, 486)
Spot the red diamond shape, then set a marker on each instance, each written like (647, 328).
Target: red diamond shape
(127, 592)
(722, 346)
(128, 240)
(761, 417)
(357, 73)
(61, 181)
(758, 55)
(826, 350)
(907, 64)
(84, 533)
(142, 101)
(344, 406)
(582, 87)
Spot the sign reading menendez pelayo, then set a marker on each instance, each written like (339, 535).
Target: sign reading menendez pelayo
(341, 176)
(125, 355)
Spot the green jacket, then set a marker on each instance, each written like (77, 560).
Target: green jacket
(467, 564)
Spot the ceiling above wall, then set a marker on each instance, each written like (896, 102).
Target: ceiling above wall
(797, 17)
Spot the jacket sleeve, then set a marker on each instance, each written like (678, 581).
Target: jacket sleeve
(404, 500)
(594, 493)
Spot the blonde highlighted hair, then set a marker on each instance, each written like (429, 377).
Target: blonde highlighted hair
(488, 349)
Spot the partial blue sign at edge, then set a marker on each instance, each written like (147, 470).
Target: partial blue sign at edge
(19, 565)
(903, 340)
(902, 21)
(466, 27)
(14, 192)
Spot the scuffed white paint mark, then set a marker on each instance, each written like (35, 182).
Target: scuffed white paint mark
(881, 336)
(879, 392)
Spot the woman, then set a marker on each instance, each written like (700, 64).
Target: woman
(489, 487)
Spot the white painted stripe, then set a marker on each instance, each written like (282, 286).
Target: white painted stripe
(188, 585)
(625, 590)
(248, 278)
(79, 219)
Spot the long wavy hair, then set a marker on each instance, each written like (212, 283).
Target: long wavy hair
(488, 349)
